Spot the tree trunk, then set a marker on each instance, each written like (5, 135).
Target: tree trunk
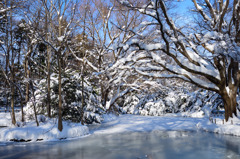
(59, 56)
(8, 52)
(7, 102)
(12, 105)
(22, 109)
(105, 97)
(21, 102)
(230, 103)
(60, 126)
(48, 65)
(27, 76)
(12, 67)
(27, 93)
(34, 104)
(82, 107)
(48, 85)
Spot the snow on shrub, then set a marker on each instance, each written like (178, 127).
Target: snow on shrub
(71, 99)
(195, 104)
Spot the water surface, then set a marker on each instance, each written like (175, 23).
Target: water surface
(131, 145)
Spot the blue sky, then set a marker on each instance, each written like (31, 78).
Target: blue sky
(183, 5)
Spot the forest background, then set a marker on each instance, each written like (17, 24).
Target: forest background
(77, 60)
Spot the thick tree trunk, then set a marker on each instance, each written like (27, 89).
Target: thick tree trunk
(230, 103)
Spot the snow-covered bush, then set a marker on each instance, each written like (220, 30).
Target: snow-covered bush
(93, 111)
(159, 103)
(130, 104)
(71, 99)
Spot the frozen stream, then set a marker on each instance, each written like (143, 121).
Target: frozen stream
(131, 145)
(133, 137)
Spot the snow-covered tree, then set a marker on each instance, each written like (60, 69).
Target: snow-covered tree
(104, 25)
(53, 39)
(207, 56)
(10, 54)
(71, 99)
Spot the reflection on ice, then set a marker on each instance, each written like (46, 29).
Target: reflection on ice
(138, 145)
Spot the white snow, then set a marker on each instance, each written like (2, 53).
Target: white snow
(60, 39)
(21, 25)
(125, 2)
(169, 122)
(45, 131)
(131, 123)
(232, 127)
(228, 90)
(150, 47)
(124, 123)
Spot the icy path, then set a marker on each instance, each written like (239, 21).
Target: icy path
(134, 123)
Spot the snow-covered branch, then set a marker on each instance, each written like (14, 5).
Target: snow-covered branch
(209, 59)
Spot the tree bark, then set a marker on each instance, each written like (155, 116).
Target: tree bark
(230, 103)
(27, 76)
(48, 85)
(12, 105)
(22, 108)
(7, 52)
(82, 107)
(59, 56)
(12, 67)
(34, 105)
(60, 126)
(48, 65)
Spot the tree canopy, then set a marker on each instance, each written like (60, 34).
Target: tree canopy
(63, 56)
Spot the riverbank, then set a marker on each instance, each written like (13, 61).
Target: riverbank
(169, 122)
(48, 131)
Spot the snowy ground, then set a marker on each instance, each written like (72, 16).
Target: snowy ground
(170, 122)
(124, 123)
(46, 131)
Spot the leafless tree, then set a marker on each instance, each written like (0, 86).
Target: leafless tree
(207, 57)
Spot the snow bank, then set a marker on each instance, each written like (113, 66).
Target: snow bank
(121, 124)
(45, 131)
(232, 127)
(109, 117)
(136, 123)
(5, 119)
(197, 114)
